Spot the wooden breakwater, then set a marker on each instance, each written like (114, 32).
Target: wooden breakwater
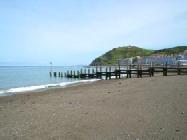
(118, 72)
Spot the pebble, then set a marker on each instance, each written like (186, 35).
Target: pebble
(162, 129)
(182, 112)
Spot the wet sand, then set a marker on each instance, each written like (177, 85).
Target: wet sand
(133, 109)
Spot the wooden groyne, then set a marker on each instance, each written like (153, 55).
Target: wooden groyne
(118, 72)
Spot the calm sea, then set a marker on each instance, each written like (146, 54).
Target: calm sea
(15, 79)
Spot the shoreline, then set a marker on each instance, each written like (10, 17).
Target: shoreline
(136, 108)
(38, 88)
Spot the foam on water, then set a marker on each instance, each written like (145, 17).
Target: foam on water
(39, 87)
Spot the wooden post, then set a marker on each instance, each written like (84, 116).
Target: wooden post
(138, 73)
(150, 70)
(110, 72)
(100, 72)
(178, 68)
(74, 74)
(116, 72)
(68, 74)
(71, 73)
(127, 70)
(88, 72)
(62, 74)
(166, 69)
(130, 70)
(119, 72)
(106, 74)
(100, 69)
(50, 73)
(141, 70)
(78, 74)
(54, 74)
(93, 71)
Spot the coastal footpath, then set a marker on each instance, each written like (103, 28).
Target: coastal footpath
(153, 108)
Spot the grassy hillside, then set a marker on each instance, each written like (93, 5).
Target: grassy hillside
(115, 54)
(169, 51)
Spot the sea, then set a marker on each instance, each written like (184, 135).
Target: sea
(17, 79)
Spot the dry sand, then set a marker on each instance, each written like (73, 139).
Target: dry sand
(133, 109)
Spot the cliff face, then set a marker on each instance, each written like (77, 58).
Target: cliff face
(112, 56)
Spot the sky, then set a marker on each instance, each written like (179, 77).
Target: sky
(73, 32)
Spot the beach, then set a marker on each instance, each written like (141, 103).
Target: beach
(153, 108)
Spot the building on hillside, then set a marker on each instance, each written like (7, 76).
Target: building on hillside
(157, 60)
(182, 59)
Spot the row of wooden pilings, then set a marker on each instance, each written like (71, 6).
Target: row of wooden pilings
(107, 73)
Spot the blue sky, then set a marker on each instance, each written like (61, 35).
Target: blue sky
(69, 32)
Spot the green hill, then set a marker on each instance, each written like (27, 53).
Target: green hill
(170, 51)
(112, 56)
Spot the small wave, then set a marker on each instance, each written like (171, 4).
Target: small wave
(33, 88)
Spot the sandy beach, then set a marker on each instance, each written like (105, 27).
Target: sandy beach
(128, 109)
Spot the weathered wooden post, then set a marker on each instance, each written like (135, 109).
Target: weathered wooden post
(100, 72)
(130, 70)
(78, 74)
(81, 73)
(88, 72)
(51, 69)
(152, 69)
(138, 73)
(59, 74)
(106, 73)
(178, 68)
(119, 71)
(68, 74)
(116, 72)
(85, 71)
(93, 73)
(54, 74)
(141, 70)
(110, 72)
(96, 68)
(71, 74)
(62, 74)
(165, 69)
(74, 75)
